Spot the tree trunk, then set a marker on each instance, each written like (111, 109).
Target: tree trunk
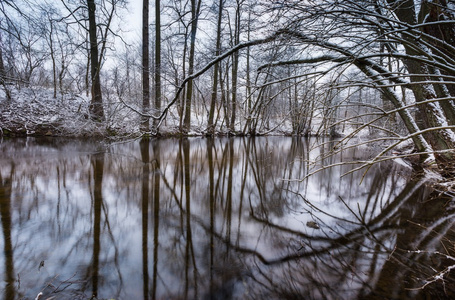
(210, 125)
(157, 62)
(52, 53)
(96, 104)
(195, 6)
(3, 77)
(145, 67)
(444, 41)
(248, 79)
(430, 115)
(61, 75)
(87, 69)
(235, 67)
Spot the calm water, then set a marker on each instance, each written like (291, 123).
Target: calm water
(215, 219)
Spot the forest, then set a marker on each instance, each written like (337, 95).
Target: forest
(377, 72)
(227, 149)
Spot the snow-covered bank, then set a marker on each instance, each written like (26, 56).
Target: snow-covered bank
(35, 112)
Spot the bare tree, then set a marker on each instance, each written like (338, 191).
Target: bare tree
(195, 9)
(210, 124)
(3, 74)
(145, 66)
(235, 64)
(96, 104)
(157, 70)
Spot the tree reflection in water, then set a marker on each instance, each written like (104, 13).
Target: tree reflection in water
(5, 214)
(216, 219)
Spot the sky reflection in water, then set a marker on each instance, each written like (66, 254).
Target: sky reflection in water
(214, 219)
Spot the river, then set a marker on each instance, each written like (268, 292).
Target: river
(222, 218)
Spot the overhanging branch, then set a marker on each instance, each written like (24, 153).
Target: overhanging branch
(211, 64)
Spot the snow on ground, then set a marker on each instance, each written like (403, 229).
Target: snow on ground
(36, 112)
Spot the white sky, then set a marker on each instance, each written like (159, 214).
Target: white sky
(133, 21)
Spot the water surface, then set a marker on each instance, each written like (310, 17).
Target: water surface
(226, 218)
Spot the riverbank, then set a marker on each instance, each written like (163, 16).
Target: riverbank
(35, 112)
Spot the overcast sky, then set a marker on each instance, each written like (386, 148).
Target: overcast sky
(134, 18)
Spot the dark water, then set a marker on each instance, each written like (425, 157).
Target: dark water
(216, 219)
